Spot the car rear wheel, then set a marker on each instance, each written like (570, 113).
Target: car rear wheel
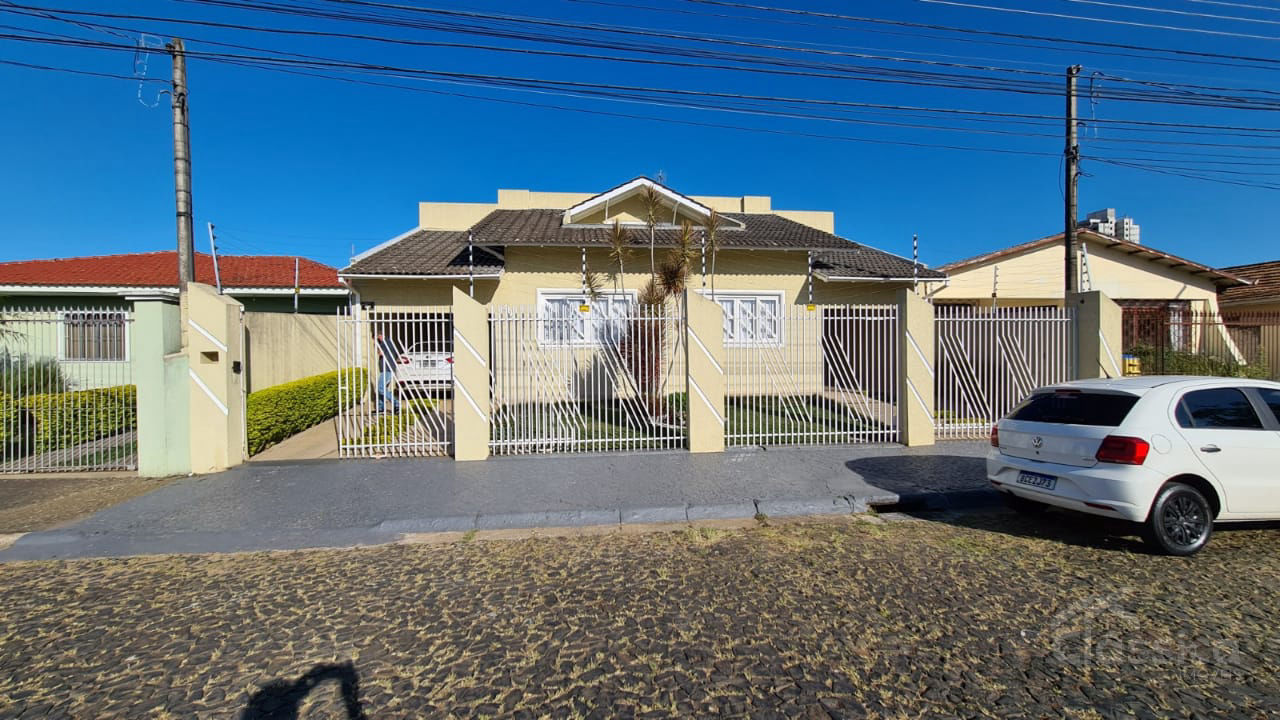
(1181, 520)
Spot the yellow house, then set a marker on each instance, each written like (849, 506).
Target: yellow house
(1132, 274)
(1169, 303)
(541, 248)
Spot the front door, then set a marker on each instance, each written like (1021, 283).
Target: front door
(1231, 440)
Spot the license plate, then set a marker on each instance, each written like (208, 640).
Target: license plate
(1037, 480)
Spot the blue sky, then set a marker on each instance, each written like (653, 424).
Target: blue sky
(299, 165)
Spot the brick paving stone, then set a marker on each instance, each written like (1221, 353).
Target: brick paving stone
(979, 615)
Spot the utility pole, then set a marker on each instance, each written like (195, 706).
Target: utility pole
(182, 167)
(1072, 155)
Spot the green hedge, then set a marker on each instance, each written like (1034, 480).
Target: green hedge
(51, 421)
(278, 412)
(1174, 362)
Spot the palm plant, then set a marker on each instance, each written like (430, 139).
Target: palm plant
(619, 240)
(652, 200)
(711, 231)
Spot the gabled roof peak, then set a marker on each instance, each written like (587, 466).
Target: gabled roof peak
(632, 188)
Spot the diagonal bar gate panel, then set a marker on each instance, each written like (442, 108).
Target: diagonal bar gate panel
(395, 382)
(800, 376)
(989, 359)
(67, 397)
(606, 376)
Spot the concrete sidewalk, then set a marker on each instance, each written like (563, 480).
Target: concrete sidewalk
(328, 503)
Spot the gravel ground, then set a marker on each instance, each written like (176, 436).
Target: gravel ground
(986, 615)
(36, 502)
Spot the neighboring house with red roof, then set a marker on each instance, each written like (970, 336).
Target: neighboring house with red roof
(259, 282)
(77, 311)
(1262, 296)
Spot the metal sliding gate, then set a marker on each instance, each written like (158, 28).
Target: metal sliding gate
(989, 359)
(608, 376)
(395, 382)
(67, 398)
(800, 376)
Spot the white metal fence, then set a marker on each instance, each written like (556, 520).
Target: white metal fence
(395, 388)
(67, 398)
(607, 376)
(989, 359)
(800, 376)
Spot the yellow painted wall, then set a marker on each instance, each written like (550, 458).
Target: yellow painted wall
(461, 215)
(283, 347)
(1036, 275)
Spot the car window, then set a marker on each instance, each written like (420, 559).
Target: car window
(1221, 408)
(1272, 398)
(1075, 408)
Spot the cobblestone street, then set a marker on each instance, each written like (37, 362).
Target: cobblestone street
(963, 615)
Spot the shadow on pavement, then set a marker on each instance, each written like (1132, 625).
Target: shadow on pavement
(1069, 528)
(909, 474)
(282, 699)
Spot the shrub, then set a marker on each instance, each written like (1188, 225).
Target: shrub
(51, 421)
(24, 375)
(277, 412)
(1176, 362)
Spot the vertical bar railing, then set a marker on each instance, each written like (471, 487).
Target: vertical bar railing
(610, 378)
(67, 398)
(989, 359)
(826, 375)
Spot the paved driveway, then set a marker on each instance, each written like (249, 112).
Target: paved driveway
(340, 503)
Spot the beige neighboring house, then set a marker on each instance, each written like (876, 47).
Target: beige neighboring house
(1169, 304)
(1136, 276)
(528, 248)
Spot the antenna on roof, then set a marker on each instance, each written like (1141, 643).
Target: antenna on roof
(915, 261)
(213, 252)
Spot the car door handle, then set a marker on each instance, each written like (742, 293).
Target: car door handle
(1210, 449)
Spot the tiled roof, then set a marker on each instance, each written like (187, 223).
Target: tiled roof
(444, 252)
(1221, 278)
(544, 227)
(427, 252)
(1266, 287)
(160, 269)
(866, 262)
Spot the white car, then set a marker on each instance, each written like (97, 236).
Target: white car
(425, 365)
(1176, 454)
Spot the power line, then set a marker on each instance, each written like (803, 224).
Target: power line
(1077, 43)
(1171, 11)
(1108, 21)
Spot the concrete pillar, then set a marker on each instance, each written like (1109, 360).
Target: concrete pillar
(1098, 336)
(215, 352)
(470, 377)
(915, 369)
(707, 382)
(160, 374)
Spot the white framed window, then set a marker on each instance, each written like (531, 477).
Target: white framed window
(94, 336)
(562, 321)
(751, 318)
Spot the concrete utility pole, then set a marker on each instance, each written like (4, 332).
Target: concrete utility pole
(182, 166)
(1072, 153)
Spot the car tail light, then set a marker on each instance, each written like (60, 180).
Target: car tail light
(995, 436)
(1123, 450)
(404, 360)
(449, 359)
